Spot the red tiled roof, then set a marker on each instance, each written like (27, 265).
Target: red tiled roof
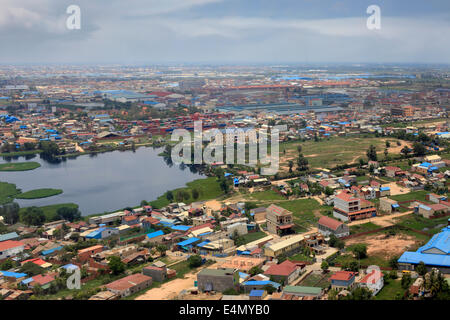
(283, 269)
(128, 282)
(9, 244)
(43, 279)
(329, 222)
(372, 277)
(342, 275)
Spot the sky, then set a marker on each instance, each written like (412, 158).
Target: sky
(224, 31)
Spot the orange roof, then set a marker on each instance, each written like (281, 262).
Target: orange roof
(372, 277)
(128, 282)
(329, 222)
(342, 275)
(9, 244)
(283, 269)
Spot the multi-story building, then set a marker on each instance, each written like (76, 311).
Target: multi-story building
(349, 208)
(279, 220)
(328, 226)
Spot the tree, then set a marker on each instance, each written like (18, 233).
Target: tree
(372, 153)
(324, 266)
(33, 216)
(70, 214)
(269, 288)
(406, 280)
(388, 144)
(419, 149)
(386, 152)
(290, 164)
(405, 151)
(299, 149)
(144, 203)
(329, 191)
(116, 265)
(359, 250)
(161, 249)
(195, 261)
(255, 270)
(393, 263)
(31, 269)
(10, 212)
(195, 194)
(421, 268)
(169, 196)
(302, 163)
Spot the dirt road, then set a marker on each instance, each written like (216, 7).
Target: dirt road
(383, 221)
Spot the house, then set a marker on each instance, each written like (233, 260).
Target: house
(350, 208)
(434, 254)
(279, 220)
(10, 248)
(342, 280)
(129, 285)
(217, 279)
(285, 272)
(388, 205)
(155, 237)
(43, 280)
(284, 246)
(250, 285)
(242, 263)
(257, 294)
(85, 254)
(158, 271)
(435, 198)
(373, 280)
(130, 220)
(301, 291)
(391, 171)
(101, 233)
(9, 236)
(435, 160)
(259, 213)
(39, 262)
(328, 226)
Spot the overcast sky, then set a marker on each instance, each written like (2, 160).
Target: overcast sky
(224, 31)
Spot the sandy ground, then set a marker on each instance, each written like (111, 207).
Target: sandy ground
(382, 221)
(396, 189)
(383, 245)
(171, 289)
(213, 204)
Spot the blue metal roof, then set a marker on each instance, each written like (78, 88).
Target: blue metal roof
(385, 189)
(13, 274)
(181, 228)
(201, 244)
(395, 205)
(8, 236)
(50, 251)
(27, 281)
(155, 234)
(188, 241)
(261, 283)
(256, 293)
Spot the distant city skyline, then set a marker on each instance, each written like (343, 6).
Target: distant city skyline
(146, 32)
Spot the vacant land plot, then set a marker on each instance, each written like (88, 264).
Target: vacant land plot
(391, 289)
(358, 228)
(430, 226)
(385, 246)
(306, 211)
(316, 279)
(334, 151)
(19, 166)
(267, 195)
(208, 188)
(50, 211)
(249, 237)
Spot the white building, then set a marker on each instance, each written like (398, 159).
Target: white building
(10, 248)
(373, 280)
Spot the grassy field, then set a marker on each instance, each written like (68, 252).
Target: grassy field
(8, 191)
(334, 151)
(50, 211)
(417, 222)
(39, 193)
(20, 153)
(19, 166)
(390, 290)
(415, 195)
(300, 257)
(370, 260)
(208, 189)
(316, 280)
(363, 227)
(306, 211)
(267, 195)
(249, 237)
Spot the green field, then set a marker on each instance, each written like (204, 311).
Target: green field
(19, 166)
(267, 195)
(363, 227)
(306, 211)
(390, 290)
(334, 151)
(316, 280)
(50, 211)
(249, 237)
(420, 223)
(415, 195)
(300, 257)
(208, 188)
(8, 192)
(39, 193)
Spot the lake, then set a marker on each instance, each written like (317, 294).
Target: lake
(102, 182)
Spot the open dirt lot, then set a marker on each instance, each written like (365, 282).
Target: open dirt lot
(385, 246)
(396, 189)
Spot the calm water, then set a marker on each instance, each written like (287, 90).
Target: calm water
(104, 182)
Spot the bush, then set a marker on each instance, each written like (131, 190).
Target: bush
(195, 261)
